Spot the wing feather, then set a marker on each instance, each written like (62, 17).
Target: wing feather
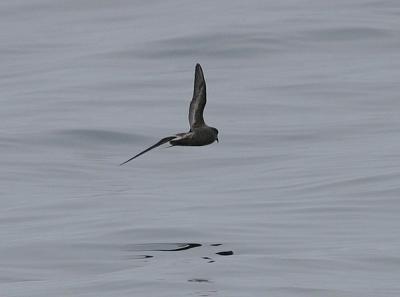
(199, 100)
(162, 141)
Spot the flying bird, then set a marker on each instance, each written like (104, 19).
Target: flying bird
(199, 133)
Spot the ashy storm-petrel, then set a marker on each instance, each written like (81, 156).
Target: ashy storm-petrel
(199, 133)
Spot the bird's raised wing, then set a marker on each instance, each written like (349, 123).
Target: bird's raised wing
(198, 102)
(162, 141)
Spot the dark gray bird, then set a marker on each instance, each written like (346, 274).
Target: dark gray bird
(199, 133)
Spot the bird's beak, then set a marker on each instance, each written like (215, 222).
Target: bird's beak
(217, 139)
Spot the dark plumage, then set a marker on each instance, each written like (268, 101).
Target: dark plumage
(199, 133)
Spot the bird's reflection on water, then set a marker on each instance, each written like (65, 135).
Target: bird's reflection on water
(172, 247)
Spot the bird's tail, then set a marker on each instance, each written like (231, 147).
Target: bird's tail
(161, 142)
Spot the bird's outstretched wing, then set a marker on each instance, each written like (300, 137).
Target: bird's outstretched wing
(162, 141)
(198, 102)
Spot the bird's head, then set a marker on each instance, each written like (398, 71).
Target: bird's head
(215, 133)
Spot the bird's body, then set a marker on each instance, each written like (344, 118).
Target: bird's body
(199, 133)
(195, 137)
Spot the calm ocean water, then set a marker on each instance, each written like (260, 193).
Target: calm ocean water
(299, 198)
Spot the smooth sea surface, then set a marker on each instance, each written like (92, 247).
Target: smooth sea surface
(301, 196)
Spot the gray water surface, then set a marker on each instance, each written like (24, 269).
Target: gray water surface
(299, 198)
